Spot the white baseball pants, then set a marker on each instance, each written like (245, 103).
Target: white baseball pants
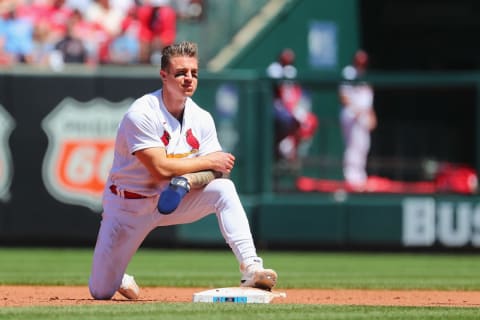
(126, 223)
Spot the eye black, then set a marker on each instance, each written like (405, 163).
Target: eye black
(179, 74)
(184, 73)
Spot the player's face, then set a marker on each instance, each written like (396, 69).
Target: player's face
(181, 78)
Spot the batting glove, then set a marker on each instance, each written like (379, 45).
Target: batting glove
(170, 198)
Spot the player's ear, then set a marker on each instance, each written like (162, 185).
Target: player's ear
(163, 74)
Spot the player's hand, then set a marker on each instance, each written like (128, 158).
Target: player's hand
(222, 161)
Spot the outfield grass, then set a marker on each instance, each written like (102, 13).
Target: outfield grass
(219, 269)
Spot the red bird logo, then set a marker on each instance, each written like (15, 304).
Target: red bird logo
(165, 138)
(192, 141)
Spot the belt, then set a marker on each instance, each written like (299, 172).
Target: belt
(126, 194)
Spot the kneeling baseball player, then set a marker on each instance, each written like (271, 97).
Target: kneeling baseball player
(169, 169)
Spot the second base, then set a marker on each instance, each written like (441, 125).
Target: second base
(237, 295)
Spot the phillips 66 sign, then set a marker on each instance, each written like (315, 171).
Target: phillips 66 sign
(81, 138)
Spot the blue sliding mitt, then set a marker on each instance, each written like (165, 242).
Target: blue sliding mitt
(170, 197)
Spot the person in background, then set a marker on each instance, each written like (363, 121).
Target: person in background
(71, 48)
(357, 120)
(43, 44)
(101, 13)
(57, 14)
(93, 36)
(158, 28)
(17, 33)
(6, 58)
(295, 124)
(123, 49)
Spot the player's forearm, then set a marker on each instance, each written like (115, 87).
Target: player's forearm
(179, 167)
(162, 167)
(199, 179)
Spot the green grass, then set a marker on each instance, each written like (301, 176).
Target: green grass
(176, 311)
(219, 269)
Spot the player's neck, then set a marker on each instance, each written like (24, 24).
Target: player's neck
(174, 105)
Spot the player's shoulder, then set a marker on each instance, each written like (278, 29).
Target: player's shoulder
(194, 108)
(146, 103)
(143, 108)
(149, 98)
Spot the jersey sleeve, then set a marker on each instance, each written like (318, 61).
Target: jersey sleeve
(141, 132)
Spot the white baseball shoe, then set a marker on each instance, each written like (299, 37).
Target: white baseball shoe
(255, 276)
(129, 288)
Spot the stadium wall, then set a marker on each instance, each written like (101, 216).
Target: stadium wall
(57, 132)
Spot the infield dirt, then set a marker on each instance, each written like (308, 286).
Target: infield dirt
(63, 295)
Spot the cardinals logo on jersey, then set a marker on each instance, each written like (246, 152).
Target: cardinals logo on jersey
(192, 141)
(165, 138)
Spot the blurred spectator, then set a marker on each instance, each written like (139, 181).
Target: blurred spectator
(357, 120)
(49, 19)
(122, 6)
(158, 29)
(53, 12)
(119, 5)
(18, 36)
(295, 124)
(80, 5)
(6, 58)
(43, 43)
(71, 47)
(112, 31)
(164, 27)
(100, 12)
(7, 5)
(93, 36)
(125, 48)
(58, 15)
(189, 9)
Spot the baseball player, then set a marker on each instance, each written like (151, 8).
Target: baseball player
(295, 124)
(357, 119)
(169, 169)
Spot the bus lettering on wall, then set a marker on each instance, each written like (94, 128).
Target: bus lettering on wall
(427, 222)
(81, 137)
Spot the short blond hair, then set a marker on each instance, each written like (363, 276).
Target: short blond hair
(181, 49)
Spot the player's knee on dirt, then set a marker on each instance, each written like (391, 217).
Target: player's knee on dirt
(101, 293)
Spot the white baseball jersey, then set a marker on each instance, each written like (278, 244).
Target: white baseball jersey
(354, 119)
(359, 95)
(148, 124)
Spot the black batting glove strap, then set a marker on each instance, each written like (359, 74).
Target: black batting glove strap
(181, 182)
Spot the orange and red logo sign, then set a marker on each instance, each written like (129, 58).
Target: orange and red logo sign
(83, 165)
(81, 138)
